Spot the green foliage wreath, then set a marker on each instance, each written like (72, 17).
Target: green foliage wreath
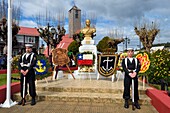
(49, 72)
(39, 57)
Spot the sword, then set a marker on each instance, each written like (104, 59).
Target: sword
(23, 95)
(133, 101)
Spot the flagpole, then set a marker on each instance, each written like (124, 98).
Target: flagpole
(8, 102)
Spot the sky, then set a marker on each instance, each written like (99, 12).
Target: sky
(110, 16)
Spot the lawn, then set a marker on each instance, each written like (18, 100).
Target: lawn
(3, 78)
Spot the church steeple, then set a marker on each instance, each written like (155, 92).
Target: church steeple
(74, 15)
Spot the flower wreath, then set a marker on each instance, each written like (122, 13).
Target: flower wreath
(89, 66)
(40, 74)
(88, 52)
(42, 67)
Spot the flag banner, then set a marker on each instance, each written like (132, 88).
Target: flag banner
(85, 59)
(107, 64)
(40, 68)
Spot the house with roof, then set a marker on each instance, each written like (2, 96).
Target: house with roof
(26, 35)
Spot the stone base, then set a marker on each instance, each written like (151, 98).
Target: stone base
(83, 75)
(93, 49)
(87, 42)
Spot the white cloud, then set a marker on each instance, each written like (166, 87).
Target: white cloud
(110, 14)
(28, 23)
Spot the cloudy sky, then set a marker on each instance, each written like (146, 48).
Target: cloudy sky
(111, 15)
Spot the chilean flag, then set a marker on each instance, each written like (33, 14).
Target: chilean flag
(85, 59)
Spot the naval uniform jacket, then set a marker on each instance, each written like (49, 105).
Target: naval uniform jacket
(28, 62)
(128, 66)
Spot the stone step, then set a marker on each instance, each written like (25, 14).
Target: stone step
(85, 90)
(81, 97)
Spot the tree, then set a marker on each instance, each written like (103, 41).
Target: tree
(74, 47)
(109, 44)
(102, 44)
(3, 23)
(51, 35)
(147, 34)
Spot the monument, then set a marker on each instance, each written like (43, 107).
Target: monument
(87, 59)
(88, 32)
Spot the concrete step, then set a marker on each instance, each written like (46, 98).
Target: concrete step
(85, 90)
(81, 97)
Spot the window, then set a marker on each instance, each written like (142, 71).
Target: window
(29, 39)
(20, 38)
(76, 14)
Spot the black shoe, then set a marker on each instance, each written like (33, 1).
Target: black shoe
(137, 105)
(33, 102)
(126, 105)
(22, 102)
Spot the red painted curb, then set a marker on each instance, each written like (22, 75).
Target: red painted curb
(15, 87)
(160, 100)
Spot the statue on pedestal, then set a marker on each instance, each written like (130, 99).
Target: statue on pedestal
(88, 31)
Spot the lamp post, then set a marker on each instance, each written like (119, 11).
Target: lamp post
(53, 31)
(48, 26)
(126, 42)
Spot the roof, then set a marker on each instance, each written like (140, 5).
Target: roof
(63, 44)
(75, 7)
(28, 31)
(157, 48)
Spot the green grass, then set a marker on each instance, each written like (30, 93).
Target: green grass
(159, 86)
(3, 78)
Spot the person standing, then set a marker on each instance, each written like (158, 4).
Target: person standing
(131, 67)
(26, 66)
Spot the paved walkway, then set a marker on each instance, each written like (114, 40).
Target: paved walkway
(75, 107)
(78, 107)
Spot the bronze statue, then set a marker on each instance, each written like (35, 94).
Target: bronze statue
(88, 31)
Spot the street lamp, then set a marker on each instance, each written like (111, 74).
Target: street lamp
(48, 26)
(126, 42)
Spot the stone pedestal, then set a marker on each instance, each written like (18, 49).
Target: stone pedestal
(87, 45)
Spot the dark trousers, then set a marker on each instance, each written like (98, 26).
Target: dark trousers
(127, 83)
(31, 82)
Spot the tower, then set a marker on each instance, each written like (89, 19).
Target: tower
(74, 15)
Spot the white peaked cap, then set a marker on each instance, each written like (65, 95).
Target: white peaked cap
(128, 49)
(28, 45)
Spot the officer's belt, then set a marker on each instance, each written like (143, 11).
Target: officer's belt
(25, 65)
(131, 71)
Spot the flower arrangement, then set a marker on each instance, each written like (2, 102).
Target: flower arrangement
(42, 67)
(15, 61)
(121, 57)
(144, 60)
(160, 66)
(86, 65)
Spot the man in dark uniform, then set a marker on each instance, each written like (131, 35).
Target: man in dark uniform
(27, 62)
(131, 67)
